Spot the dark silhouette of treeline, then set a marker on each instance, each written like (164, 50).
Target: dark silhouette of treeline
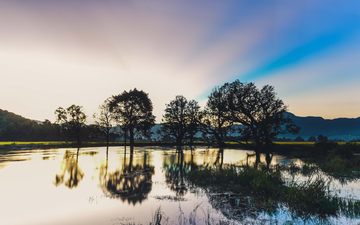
(258, 111)
(14, 127)
(260, 114)
(17, 128)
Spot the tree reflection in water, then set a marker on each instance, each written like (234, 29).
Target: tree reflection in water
(129, 183)
(220, 158)
(175, 172)
(268, 159)
(70, 173)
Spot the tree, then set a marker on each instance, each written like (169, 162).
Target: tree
(193, 120)
(104, 119)
(215, 117)
(299, 138)
(322, 138)
(71, 120)
(133, 111)
(260, 112)
(312, 139)
(175, 120)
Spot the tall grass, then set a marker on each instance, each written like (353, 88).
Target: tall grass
(159, 217)
(267, 189)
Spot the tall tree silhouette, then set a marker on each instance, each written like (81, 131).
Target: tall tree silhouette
(133, 112)
(261, 113)
(193, 120)
(71, 120)
(104, 119)
(216, 119)
(176, 120)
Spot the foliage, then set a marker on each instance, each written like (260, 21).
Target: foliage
(312, 139)
(71, 120)
(341, 161)
(299, 138)
(260, 111)
(17, 128)
(133, 111)
(322, 138)
(181, 118)
(104, 119)
(311, 197)
(194, 117)
(266, 188)
(335, 164)
(215, 117)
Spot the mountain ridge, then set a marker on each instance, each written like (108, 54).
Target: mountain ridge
(337, 128)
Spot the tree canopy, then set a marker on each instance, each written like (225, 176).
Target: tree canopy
(181, 120)
(104, 119)
(133, 110)
(216, 115)
(193, 120)
(71, 119)
(260, 112)
(175, 119)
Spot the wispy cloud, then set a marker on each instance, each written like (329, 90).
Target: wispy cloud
(56, 53)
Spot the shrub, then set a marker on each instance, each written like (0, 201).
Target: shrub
(335, 164)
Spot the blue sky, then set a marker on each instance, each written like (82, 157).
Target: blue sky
(58, 53)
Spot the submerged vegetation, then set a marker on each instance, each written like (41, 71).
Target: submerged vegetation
(266, 190)
(337, 159)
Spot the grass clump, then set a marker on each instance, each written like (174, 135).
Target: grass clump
(267, 190)
(342, 161)
(310, 198)
(244, 180)
(336, 158)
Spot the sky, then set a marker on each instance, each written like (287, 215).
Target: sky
(58, 53)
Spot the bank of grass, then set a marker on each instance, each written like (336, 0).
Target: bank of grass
(266, 188)
(62, 144)
(3, 143)
(336, 158)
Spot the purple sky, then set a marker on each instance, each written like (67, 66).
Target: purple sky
(58, 53)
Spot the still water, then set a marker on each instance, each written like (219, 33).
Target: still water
(96, 186)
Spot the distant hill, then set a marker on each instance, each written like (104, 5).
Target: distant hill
(340, 128)
(7, 118)
(14, 127)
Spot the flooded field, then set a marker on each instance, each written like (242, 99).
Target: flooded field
(100, 186)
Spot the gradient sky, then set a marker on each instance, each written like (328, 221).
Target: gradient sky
(58, 53)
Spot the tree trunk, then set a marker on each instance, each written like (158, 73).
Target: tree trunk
(107, 139)
(257, 160)
(222, 157)
(268, 159)
(78, 138)
(131, 140)
(125, 140)
(267, 145)
(131, 160)
(178, 143)
(192, 140)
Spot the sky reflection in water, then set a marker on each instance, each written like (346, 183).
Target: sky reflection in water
(91, 186)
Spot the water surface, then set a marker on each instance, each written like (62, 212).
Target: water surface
(96, 186)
